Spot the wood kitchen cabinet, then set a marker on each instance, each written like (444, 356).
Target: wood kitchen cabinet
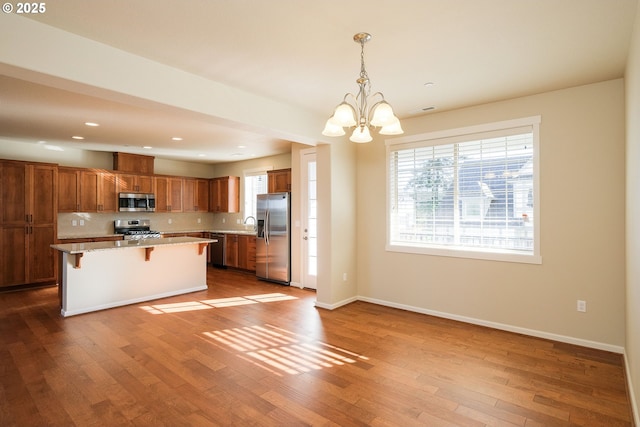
(247, 252)
(130, 183)
(28, 206)
(279, 180)
(137, 163)
(168, 193)
(224, 194)
(196, 195)
(87, 190)
(231, 251)
(240, 251)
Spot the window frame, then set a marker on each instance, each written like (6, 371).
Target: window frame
(252, 172)
(469, 133)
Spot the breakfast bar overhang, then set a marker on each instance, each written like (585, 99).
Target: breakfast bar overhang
(100, 275)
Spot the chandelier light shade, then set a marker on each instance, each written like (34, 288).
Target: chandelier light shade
(363, 110)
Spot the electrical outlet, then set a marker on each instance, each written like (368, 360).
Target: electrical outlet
(170, 221)
(81, 222)
(581, 306)
(199, 220)
(74, 223)
(344, 277)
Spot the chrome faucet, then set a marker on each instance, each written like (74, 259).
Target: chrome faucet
(254, 222)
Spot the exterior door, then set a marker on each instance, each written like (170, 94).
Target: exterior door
(309, 220)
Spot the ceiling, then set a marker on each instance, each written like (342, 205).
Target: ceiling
(301, 54)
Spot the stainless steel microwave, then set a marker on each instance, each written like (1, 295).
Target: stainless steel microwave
(136, 202)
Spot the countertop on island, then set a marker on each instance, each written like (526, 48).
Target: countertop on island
(76, 248)
(94, 236)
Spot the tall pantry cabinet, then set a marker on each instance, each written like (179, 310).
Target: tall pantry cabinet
(28, 214)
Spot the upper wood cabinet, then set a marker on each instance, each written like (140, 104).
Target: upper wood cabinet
(279, 180)
(136, 163)
(196, 194)
(87, 190)
(129, 183)
(224, 194)
(28, 200)
(68, 189)
(169, 193)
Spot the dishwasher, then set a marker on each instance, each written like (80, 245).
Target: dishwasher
(217, 249)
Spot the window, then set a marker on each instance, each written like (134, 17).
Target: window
(255, 182)
(467, 192)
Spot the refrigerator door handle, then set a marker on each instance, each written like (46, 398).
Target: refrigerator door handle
(266, 228)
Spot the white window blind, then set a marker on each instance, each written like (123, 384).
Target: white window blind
(473, 192)
(254, 183)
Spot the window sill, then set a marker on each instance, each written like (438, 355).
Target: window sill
(489, 255)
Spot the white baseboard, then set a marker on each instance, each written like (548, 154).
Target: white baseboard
(500, 326)
(337, 304)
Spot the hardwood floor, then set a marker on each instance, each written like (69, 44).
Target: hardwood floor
(252, 353)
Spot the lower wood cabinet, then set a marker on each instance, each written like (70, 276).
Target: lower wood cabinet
(240, 251)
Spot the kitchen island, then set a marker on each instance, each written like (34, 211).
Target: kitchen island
(99, 275)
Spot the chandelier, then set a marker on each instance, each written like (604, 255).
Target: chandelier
(360, 110)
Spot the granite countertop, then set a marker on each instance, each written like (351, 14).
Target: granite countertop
(76, 248)
(93, 236)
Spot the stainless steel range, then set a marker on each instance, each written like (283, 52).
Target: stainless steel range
(135, 229)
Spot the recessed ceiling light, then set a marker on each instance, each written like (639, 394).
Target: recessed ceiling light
(242, 146)
(77, 137)
(92, 124)
(176, 138)
(147, 147)
(42, 142)
(429, 84)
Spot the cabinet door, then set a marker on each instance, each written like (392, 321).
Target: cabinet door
(189, 193)
(145, 183)
(231, 251)
(247, 252)
(279, 180)
(89, 191)
(202, 195)
(162, 193)
(225, 194)
(175, 194)
(135, 183)
(108, 192)
(43, 197)
(68, 190)
(13, 199)
(13, 251)
(41, 255)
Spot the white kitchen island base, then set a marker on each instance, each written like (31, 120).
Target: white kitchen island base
(101, 275)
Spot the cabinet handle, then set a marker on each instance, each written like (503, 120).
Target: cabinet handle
(26, 229)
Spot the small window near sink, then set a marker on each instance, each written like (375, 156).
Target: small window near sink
(255, 182)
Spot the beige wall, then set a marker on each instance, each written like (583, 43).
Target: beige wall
(337, 222)
(632, 81)
(582, 227)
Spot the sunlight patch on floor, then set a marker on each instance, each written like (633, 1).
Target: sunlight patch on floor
(280, 351)
(215, 303)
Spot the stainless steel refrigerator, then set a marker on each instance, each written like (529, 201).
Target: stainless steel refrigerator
(273, 242)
